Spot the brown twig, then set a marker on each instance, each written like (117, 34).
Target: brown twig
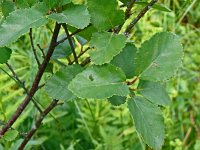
(37, 79)
(75, 32)
(128, 10)
(43, 54)
(40, 86)
(33, 47)
(38, 123)
(80, 54)
(86, 61)
(70, 43)
(139, 16)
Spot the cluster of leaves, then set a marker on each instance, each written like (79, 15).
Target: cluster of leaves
(119, 71)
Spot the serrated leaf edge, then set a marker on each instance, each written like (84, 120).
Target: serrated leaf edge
(99, 98)
(99, 64)
(177, 68)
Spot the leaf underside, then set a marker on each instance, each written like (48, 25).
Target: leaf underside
(117, 100)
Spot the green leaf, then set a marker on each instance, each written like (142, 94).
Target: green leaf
(57, 86)
(10, 135)
(64, 2)
(82, 41)
(1, 147)
(197, 144)
(18, 23)
(56, 3)
(49, 68)
(158, 6)
(86, 33)
(52, 3)
(159, 58)
(99, 82)
(154, 92)
(7, 7)
(5, 54)
(106, 46)
(125, 60)
(117, 100)
(105, 14)
(148, 121)
(25, 3)
(70, 16)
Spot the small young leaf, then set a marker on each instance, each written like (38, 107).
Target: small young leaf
(10, 135)
(159, 58)
(99, 82)
(105, 14)
(18, 23)
(125, 60)
(117, 100)
(106, 46)
(70, 16)
(154, 92)
(5, 54)
(57, 86)
(148, 121)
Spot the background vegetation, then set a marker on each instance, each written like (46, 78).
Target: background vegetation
(88, 124)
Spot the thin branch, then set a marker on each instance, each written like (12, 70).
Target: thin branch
(140, 15)
(21, 83)
(70, 43)
(15, 76)
(37, 79)
(75, 32)
(128, 10)
(80, 54)
(127, 15)
(33, 47)
(43, 54)
(40, 86)
(86, 61)
(38, 123)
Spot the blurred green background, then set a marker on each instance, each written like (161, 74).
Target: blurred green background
(88, 124)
